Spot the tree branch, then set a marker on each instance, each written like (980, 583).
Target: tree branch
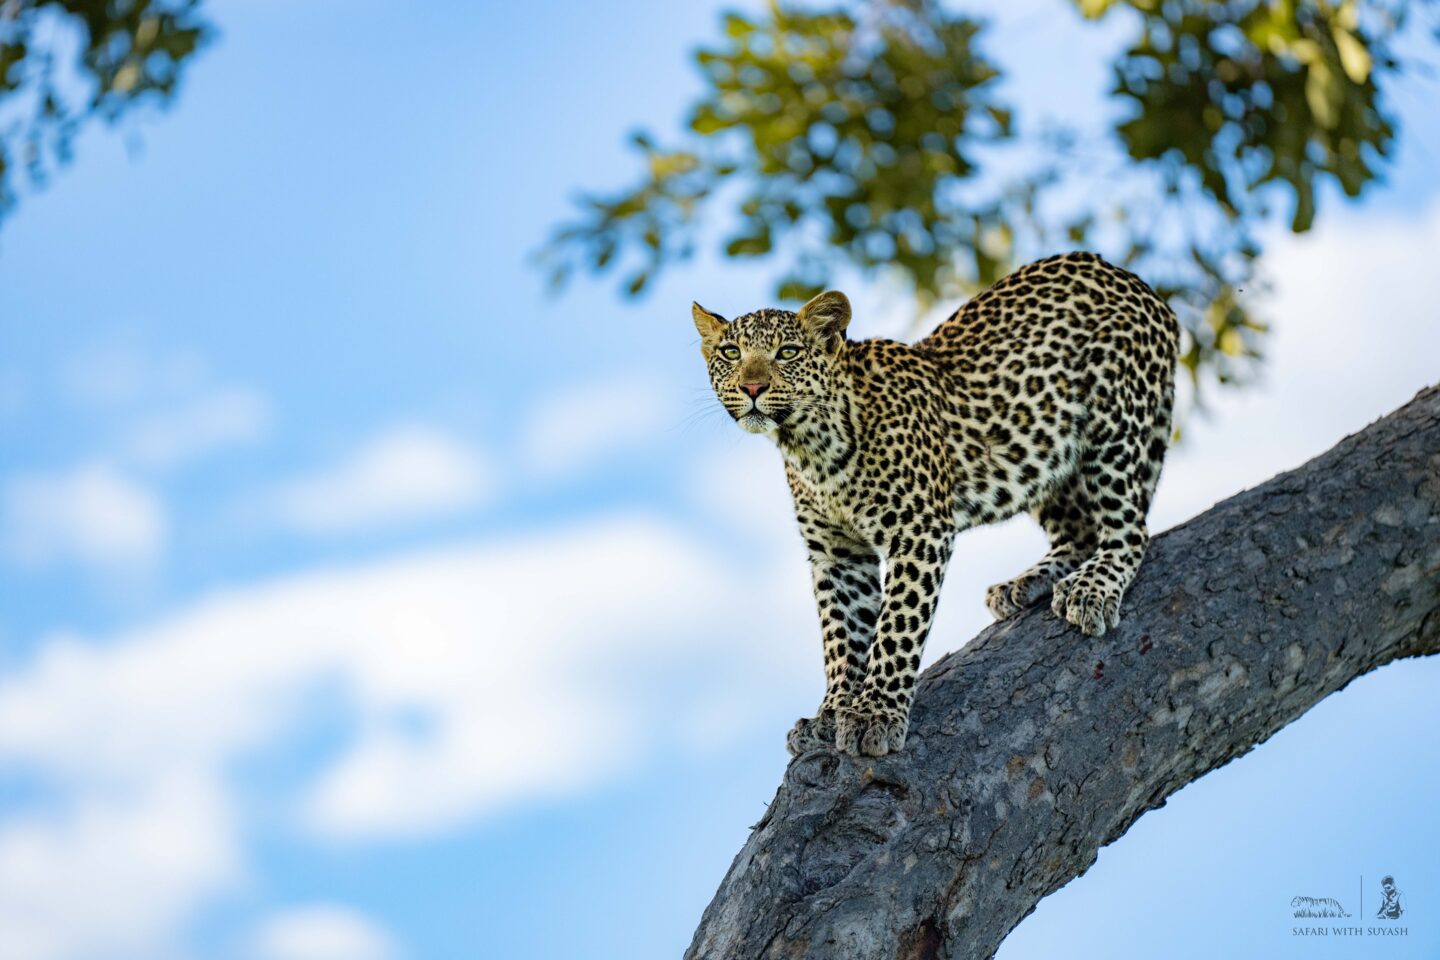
(1032, 747)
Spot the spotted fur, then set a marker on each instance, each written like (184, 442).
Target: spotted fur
(1051, 392)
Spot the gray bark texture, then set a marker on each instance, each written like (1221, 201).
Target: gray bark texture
(1033, 746)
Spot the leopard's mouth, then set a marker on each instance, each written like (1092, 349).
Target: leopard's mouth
(755, 421)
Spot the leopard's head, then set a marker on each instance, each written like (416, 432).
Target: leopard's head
(772, 366)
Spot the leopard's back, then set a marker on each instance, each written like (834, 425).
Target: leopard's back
(1065, 360)
(1073, 318)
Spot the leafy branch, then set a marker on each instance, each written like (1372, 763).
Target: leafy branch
(63, 62)
(869, 135)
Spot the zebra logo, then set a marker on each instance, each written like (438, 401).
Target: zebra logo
(1318, 907)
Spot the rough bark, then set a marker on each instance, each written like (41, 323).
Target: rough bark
(1032, 747)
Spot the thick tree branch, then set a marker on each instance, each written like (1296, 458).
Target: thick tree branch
(1032, 746)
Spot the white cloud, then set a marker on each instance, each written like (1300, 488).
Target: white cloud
(885, 308)
(477, 678)
(575, 428)
(91, 514)
(1356, 334)
(321, 932)
(169, 406)
(536, 667)
(744, 487)
(405, 473)
(217, 419)
(100, 875)
(119, 375)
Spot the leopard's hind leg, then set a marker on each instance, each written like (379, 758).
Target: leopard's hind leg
(1119, 470)
(1065, 517)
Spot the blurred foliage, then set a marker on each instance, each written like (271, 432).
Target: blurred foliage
(869, 135)
(65, 61)
(854, 128)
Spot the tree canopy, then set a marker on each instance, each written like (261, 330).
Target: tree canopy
(877, 134)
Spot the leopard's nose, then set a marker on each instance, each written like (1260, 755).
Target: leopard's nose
(754, 389)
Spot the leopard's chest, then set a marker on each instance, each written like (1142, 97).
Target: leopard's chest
(836, 497)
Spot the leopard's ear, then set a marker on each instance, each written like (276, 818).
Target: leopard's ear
(826, 317)
(709, 325)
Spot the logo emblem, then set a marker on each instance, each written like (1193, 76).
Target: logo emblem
(1318, 907)
(1392, 900)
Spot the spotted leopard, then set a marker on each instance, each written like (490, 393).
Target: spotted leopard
(1051, 392)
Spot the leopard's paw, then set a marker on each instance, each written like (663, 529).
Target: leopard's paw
(811, 733)
(1089, 600)
(870, 730)
(1011, 597)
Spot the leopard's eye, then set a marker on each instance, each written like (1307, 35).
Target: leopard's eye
(788, 352)
(730, 352)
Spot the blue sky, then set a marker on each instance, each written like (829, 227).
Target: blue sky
(360, 600)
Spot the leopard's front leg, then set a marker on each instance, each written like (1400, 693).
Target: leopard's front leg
(846, 577)
(878, 716)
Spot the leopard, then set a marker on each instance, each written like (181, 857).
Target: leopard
(1051, 392)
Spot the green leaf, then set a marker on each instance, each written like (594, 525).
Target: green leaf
(705, 121)
(1304, 207)
(795, 289)
(749, 246)
(605, 254)
(1323, 94)
(1094, 9)
(1354, 56)
(1004, 119)
(737, 26)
